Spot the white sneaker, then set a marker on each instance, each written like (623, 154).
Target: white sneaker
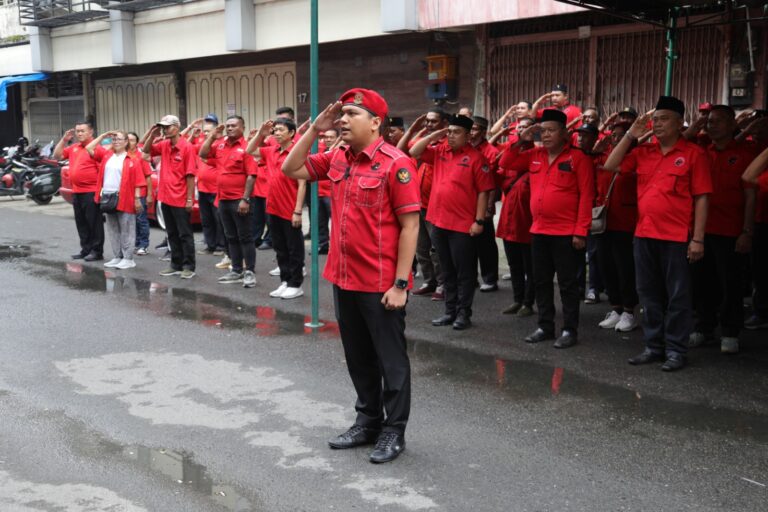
(124, 264)
(626, 323)
(275, 272)
(279, 291)
(506, 277)
(610, 321)
(224, 263)
(292, 293)
(113, 262)
(729, 345)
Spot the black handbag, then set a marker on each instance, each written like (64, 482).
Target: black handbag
(108, 202)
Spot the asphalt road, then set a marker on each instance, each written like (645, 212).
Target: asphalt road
(127, 391)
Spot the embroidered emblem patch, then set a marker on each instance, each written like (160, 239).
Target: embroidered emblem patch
(358, 99)
(403, 176)
(679, 162)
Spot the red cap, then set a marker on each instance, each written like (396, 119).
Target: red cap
(705, 107)
(366, 99)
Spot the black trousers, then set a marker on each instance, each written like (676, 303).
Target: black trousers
(760, 270)
(488, 253)
(213, 232)
(181, 241)
(426, 255)
(259, 218)
(458, 261)
(288, 243)
(664, 287)
(323, 218)
(239, 232)
(554, 254)
(377, 358)
(717, 287)
(521, 270)
(89, 222)
(617, 266)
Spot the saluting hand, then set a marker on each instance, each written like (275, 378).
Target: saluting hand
(638, 127)
(394, 298)
(326, 119)
(438, 134)
(420, 122)
(68, 135)
(218, 131)
(266, 128)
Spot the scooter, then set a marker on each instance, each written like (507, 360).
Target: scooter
(24, 172)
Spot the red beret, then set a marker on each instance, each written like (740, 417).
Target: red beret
(366, 99)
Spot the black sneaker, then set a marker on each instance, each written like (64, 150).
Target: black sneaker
(357, 435)
(388, 446)
(756, 322)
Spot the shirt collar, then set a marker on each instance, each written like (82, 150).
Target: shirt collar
(368, 151)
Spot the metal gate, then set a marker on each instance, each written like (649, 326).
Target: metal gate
(523, 72)
(135, 103)
(253, 92)
(631, 69)
(49, 118)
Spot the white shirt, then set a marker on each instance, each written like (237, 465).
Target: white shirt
(113, 172)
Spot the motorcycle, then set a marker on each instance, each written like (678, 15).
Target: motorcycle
(24, 171)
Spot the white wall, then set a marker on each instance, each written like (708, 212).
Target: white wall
(16, 60)
(9, 21)
(196, 29)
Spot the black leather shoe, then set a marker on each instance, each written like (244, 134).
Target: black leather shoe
(674, 362)
(566, 340)
(645, 357)
(93, 257)
(443, 320)
(462, 321)
(357, 435)
(388, 446)
(78, 256)
(538, 336)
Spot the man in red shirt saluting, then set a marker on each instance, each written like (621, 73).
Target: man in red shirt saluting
(375, 219)
(176, 191)
(83, 171)
(673, 184)
(562, 193)
(461, 183)
(236, 176)
(560, 101)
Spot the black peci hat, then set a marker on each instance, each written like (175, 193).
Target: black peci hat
(397, 122)
(671, 103)
(462, 121)
(551, 114)
(560, 88)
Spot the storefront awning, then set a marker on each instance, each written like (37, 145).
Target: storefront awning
(5, 81)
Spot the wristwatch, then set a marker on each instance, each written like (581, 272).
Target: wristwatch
(401, 283)
(480, 222)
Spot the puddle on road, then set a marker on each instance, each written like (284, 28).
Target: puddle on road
(14, 251)
(181, 468)
(518, 379)
(209, 309)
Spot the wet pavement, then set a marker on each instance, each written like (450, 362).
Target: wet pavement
(152, 393)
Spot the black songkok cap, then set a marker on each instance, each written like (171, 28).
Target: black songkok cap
(671, 103)
(588, 128)
(480, 121)
(629, 110)
(551, 114)
(462, 121)
(396, 122)
(561, 88)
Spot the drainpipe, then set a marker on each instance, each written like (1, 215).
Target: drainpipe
(671, 55)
